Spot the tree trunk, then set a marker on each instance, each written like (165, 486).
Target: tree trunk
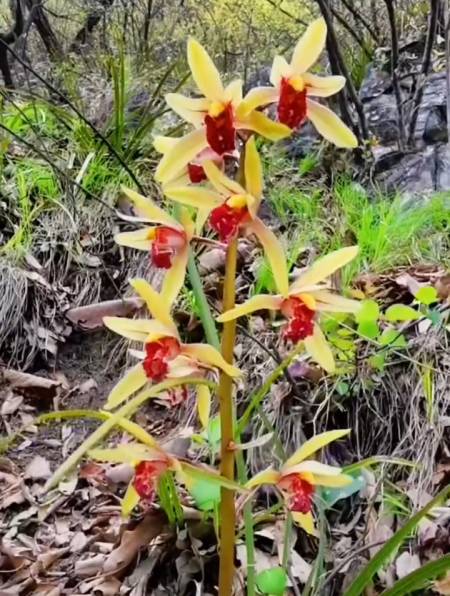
(46, 33)
(91, 22)
(6, 39)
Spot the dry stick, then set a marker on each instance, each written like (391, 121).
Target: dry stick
(447, 62)
(426, 64)
(394, 73)
(287, 13)
(334, 47)
(227, 509)
(67, 101)
(360, 17)
(351, 30)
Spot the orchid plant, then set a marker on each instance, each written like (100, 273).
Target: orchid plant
(194, 172)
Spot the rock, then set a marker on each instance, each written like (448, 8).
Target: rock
(410, 173)
(381, 114)
(443, 167)
(301, 142)
(376, 83)
(435, 129)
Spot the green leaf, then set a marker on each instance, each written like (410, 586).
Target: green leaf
(391, 337)
(427, 295)
(389, 549)
(435, 317)
(369, 311)
(203, 474)
(342, 388)
(420, 578)
(368, 329)
(330, 496)
(401, 312)
(272, 581)
(205, 494)
(213, 433)
(377, 361)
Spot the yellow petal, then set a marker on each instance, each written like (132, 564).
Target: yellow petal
(128, 453)
(305, 521)
(317, 347)
(148, 209)
(139, 329)
(130, 500)
(157, 304)
(310, 468)
(308, 299)
(164, 144)
(268, 476)
(332, 481)
(314, 444)
(310, 46)
(182, 366)
(255, 98)
(224, 185)
(323, 86)
(204, 353)
(200, 220)
(264, 126)
(324, 267)
(187, 222)
(193, 196)
(274, 253)
(260, 302)
(329, 302)
(137, 432)
(186, 149)
(233, 92)
(138, 239)
(280, 69)
(174, 278)
(204, 72)
(192, 110)
(330, 126)
(133, 380)
(253, 169)
(203, 404)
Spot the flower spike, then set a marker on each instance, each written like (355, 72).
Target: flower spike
(298, 477)
(306, 297)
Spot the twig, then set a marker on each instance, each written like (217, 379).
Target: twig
(359, 17)
(426, 63)
(351, 30)
(394, 73)
(287, 13)
(67, 101)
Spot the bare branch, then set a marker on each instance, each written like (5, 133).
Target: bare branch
(360, 17)
(351, 30)
(287, 13)
(394, 66)
(92, 20)
(39, 17)
(8, 39)
(426, 64)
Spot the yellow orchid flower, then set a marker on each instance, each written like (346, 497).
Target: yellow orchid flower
(293, 88)
(216, 116)
(231, 207)
(299, 476)
(164, 355)
(167, 243)
(150, 463)
(192, 172)
(306, 297)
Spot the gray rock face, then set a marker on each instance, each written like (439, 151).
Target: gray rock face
(425, 169)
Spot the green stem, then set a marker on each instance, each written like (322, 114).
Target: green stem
(206, 317)
(260, 394)
(248, 527)
(227, 453)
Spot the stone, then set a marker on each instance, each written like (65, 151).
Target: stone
(375, 83)
(442, 167)
(411, 173)
(435, 129)
(381, 115)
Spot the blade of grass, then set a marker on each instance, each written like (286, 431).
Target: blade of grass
(418, 579)
(388, 550)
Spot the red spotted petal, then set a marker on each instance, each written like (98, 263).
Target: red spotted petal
(166, 245)
(146, 475)
(196, 173)
(300, 320)
(291, 105)
(300, 493)
(158, 354)
(225, 220)
(220, 131)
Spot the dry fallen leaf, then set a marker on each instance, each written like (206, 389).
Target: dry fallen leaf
(405, 564)
(133, 540)
(91, 317)
(443, 586)
(40, 386)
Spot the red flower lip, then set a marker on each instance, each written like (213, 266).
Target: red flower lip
(146, 475)
(292, 104)
(225, 220)
(220, 129)
(167, 243)
(158, 355)
(300, 320)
